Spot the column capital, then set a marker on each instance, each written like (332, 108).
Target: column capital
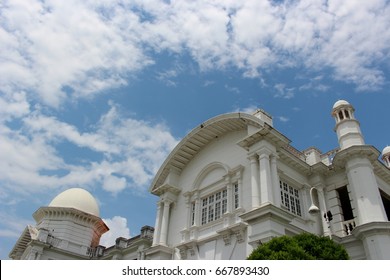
(167, 201)
(267, 151)
(188, 196)
(227, 179)
(274, 157)
(253, 157)
(264, 156)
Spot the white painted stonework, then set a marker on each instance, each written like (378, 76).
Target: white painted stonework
(235, 182)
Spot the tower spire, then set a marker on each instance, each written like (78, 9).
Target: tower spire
(347, 127)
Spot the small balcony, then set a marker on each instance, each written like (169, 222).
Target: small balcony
(348, 226)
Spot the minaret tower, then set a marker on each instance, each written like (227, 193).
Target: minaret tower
(347, 127)
(356, 157)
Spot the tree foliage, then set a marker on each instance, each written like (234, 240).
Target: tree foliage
(304, 246)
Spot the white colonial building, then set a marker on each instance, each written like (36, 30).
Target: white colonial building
(232, 183)
(235, 182)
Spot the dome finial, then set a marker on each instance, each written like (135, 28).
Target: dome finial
(77, 198)
(340, 103)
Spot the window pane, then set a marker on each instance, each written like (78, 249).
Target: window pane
(211, 214)
(213, 206)
(224, 206)
(236, 197)
(192, 213)
(204, 216)
(290, 198)
(217, 210)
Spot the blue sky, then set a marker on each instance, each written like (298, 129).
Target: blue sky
(95, 94)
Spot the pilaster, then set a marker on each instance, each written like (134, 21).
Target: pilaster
(254, 181)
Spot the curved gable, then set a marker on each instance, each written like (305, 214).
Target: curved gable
(198, 138)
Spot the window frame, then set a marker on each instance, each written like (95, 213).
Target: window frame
(290, 198)
(213, 206)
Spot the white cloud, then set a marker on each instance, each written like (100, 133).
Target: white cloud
(12, 226)
(233, 89)
(51, 51)
(314, 84)
(114, 184)
(13, 106)
(283, 92)
(118, 228)
(283, 119)
(131, 151)
(71, 49)
(51, 44)
(249, 110)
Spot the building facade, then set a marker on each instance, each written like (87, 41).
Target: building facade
(233, 183)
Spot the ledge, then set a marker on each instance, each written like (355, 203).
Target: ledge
(365, 230)
(267, 211)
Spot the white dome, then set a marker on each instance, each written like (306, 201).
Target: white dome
(341, 103)
(77, 198)
(386, 150)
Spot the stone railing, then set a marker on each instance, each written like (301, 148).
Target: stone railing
(348, 226)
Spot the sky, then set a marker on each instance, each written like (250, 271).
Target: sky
(96, 93)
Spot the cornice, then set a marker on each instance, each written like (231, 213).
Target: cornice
(266, 132)
(367, 151)
(267, 211)
(65, 213)
(373, 228)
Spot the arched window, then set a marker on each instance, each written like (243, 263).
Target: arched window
(341, 116)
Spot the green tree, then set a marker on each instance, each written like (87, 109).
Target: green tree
(304, 246)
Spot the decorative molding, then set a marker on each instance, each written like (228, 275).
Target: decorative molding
(227, 238)
(265, 211)
(238, 230)
(167, 188)
(187, 247)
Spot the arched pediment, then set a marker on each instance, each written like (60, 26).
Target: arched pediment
(198, 138)
(211, 173)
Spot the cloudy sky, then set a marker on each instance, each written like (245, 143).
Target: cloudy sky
(96, 93)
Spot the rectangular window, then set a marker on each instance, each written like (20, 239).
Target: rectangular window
(192, 213)
(236, 197)
(218, 210)
(290, 198)
(214, 206)
(345, 202)
(204, 211)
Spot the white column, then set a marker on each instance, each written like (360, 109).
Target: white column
(265, 179)
(323, 210)
(254, 181)
(229, 197)
(239, 182)
(164, 223)
(197, 209)
(188, 210)
(275, 180)
(157, 225)
(365, 191)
